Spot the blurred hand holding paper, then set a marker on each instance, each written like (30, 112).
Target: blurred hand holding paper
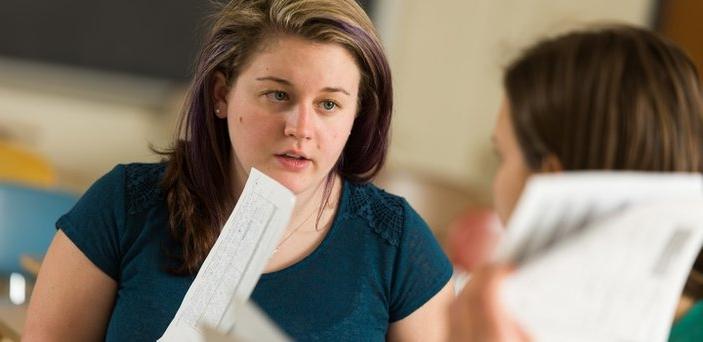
(218, 296)
(602, 256)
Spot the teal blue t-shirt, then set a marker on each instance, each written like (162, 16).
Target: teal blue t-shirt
(378, 263)
(689, 328)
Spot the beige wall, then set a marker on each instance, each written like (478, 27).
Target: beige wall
(447, 56)
(84, 122)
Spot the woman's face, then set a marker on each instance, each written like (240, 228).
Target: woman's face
(512, 170)
(291, 110)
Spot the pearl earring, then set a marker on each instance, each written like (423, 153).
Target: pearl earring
(217, 110)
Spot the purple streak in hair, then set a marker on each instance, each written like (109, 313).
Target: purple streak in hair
(365, 152)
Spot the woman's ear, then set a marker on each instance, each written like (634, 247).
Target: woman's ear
(551, 164)
(220, 89)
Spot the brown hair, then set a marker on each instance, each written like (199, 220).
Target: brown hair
(612, 98)
(198, 172)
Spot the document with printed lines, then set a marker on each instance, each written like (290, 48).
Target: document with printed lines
(602, 256)
(221, 289)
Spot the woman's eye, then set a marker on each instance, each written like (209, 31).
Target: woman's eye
(278, 96)
(328, 105)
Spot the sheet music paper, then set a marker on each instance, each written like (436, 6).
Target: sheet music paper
(602, 257)
(235, 263)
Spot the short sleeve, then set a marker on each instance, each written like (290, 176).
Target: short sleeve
(95, 222)
(421, 267)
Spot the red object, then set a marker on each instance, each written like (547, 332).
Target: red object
(472, 236)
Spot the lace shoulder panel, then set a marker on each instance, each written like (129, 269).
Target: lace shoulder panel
(384, 212)
(142, 185)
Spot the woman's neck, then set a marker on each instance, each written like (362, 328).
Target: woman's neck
(309, 203)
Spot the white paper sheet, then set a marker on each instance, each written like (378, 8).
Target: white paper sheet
(602, 257)
(252, 325)
(557, 205)
(617, 281)
(236, 261)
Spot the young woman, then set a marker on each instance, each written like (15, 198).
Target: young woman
(301, 90)
(616, 98)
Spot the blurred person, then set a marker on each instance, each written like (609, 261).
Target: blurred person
(301, 90)
(472, 237)
(613, 98)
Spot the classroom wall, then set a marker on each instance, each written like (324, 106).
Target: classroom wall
(84, 122)
(446, 57)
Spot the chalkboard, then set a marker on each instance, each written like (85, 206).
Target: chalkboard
(153, 38)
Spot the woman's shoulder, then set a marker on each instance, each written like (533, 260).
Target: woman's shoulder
(387, 214)
(417, 267)
(101, 222)
(140, 183)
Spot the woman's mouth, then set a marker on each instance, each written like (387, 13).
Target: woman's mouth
(292, 161)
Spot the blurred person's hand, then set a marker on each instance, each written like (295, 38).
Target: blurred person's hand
(477, 314)
(472, 236)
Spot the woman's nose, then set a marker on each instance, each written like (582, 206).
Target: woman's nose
(299, 122)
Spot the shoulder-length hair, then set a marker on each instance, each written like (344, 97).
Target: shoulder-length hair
(198, 172)
(611, 98)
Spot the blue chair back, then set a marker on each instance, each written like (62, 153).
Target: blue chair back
(27, 218)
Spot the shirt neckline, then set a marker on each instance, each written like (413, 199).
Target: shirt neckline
(326, 241)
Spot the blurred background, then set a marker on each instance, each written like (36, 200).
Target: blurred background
(87, 84)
